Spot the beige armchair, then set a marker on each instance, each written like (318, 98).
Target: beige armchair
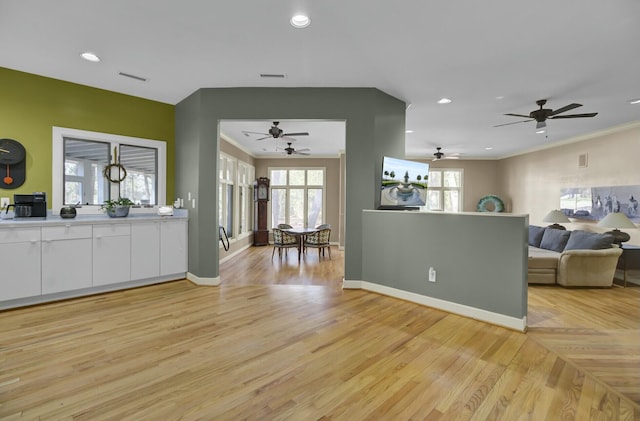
(588, 268)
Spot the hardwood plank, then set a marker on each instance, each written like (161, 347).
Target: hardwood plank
(299, 347)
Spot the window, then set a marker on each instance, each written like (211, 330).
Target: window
(79, 161)
(235, 197)
(445, 190)
(245, 199)
(227, 178)
(297, 196)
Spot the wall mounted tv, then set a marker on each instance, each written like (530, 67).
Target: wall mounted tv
(404, 184)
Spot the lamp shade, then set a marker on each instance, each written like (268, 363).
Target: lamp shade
(616, 220)
(556, 216)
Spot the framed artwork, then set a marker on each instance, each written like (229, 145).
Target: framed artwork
(594, 203)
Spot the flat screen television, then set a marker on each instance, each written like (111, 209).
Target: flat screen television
(404, 184)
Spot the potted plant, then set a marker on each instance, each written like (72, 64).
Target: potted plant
(117, 208)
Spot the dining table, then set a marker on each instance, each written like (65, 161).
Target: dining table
(300, 234)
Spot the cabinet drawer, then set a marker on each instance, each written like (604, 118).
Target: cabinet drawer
(111, 230)
(66, 232)
(19, 235)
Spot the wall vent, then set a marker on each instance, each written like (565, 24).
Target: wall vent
(582, 160)
(272, 75)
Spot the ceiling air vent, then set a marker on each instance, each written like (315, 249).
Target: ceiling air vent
(272, 75)
(140, 78)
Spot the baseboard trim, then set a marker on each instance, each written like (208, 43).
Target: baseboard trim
(448, 306)
(233, 254)
(201, 281)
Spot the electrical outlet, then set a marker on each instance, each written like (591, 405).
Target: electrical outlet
(432, 274)
(4, 202)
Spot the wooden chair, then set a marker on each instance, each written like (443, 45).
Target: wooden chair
(319, 240)
(283, 240)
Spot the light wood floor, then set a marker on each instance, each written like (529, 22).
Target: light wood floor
(263, 346)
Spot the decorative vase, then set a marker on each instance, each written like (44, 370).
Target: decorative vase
(68, 212)
(118, 211)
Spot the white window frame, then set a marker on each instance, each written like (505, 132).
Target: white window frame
(245, 194)
(442, 188)
(227, 178)
(305, 187)
(243, 190)
(57, 188)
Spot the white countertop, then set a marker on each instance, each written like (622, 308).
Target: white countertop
(89, 219)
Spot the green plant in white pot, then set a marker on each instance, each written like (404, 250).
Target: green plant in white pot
(117, 208)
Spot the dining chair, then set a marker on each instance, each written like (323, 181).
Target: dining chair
(319, 240)
(284, 226)
(283, 240)
(323, 226)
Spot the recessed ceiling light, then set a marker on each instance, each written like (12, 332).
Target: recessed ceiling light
(500, 97)
(300, 21)
(635, 101)
(90, 57)
(444, 101)
(540, 131)
(488, 148)
(408, 131)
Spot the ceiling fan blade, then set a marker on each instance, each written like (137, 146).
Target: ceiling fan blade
(303, 150)
(515, 122)
(263, 134)
(541, 125)
(301, 153)
(575, 115)
(519, 115)
(295, 134)
(565, 108)
(263, 138)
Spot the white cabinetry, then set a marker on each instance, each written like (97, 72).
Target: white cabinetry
(66, 258)
(173, 247)
(145, 250)
(52, 259)
(19, 263)
(111, 253)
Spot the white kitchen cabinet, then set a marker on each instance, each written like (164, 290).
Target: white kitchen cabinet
(111, 253)
(66, 258)
(173, 247)
(145, 250)
(49, 259)
(20, 263)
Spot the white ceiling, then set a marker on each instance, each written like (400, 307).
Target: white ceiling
(584, 51)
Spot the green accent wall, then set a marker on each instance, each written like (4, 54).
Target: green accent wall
(31, 105)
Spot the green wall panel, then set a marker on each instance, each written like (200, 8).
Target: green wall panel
(31, 105)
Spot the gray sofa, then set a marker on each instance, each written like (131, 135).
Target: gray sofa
(571, 258)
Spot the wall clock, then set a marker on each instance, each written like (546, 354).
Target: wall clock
(12, 164)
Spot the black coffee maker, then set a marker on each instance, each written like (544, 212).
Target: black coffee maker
(29, 205)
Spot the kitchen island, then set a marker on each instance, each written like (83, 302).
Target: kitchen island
(55, 258)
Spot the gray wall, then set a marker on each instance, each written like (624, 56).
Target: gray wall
(480, 259)
(374, 128)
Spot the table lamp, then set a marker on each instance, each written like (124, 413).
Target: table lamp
(556, 216)
(617, 220)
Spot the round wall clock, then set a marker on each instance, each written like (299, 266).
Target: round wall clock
(12, 164)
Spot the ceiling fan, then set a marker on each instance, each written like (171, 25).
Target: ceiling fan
(290, 150)
(543, 114)
(440, 155)
(276, 132)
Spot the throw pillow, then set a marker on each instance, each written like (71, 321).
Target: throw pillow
(554, 239)
(588, 241)
(535, 235)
